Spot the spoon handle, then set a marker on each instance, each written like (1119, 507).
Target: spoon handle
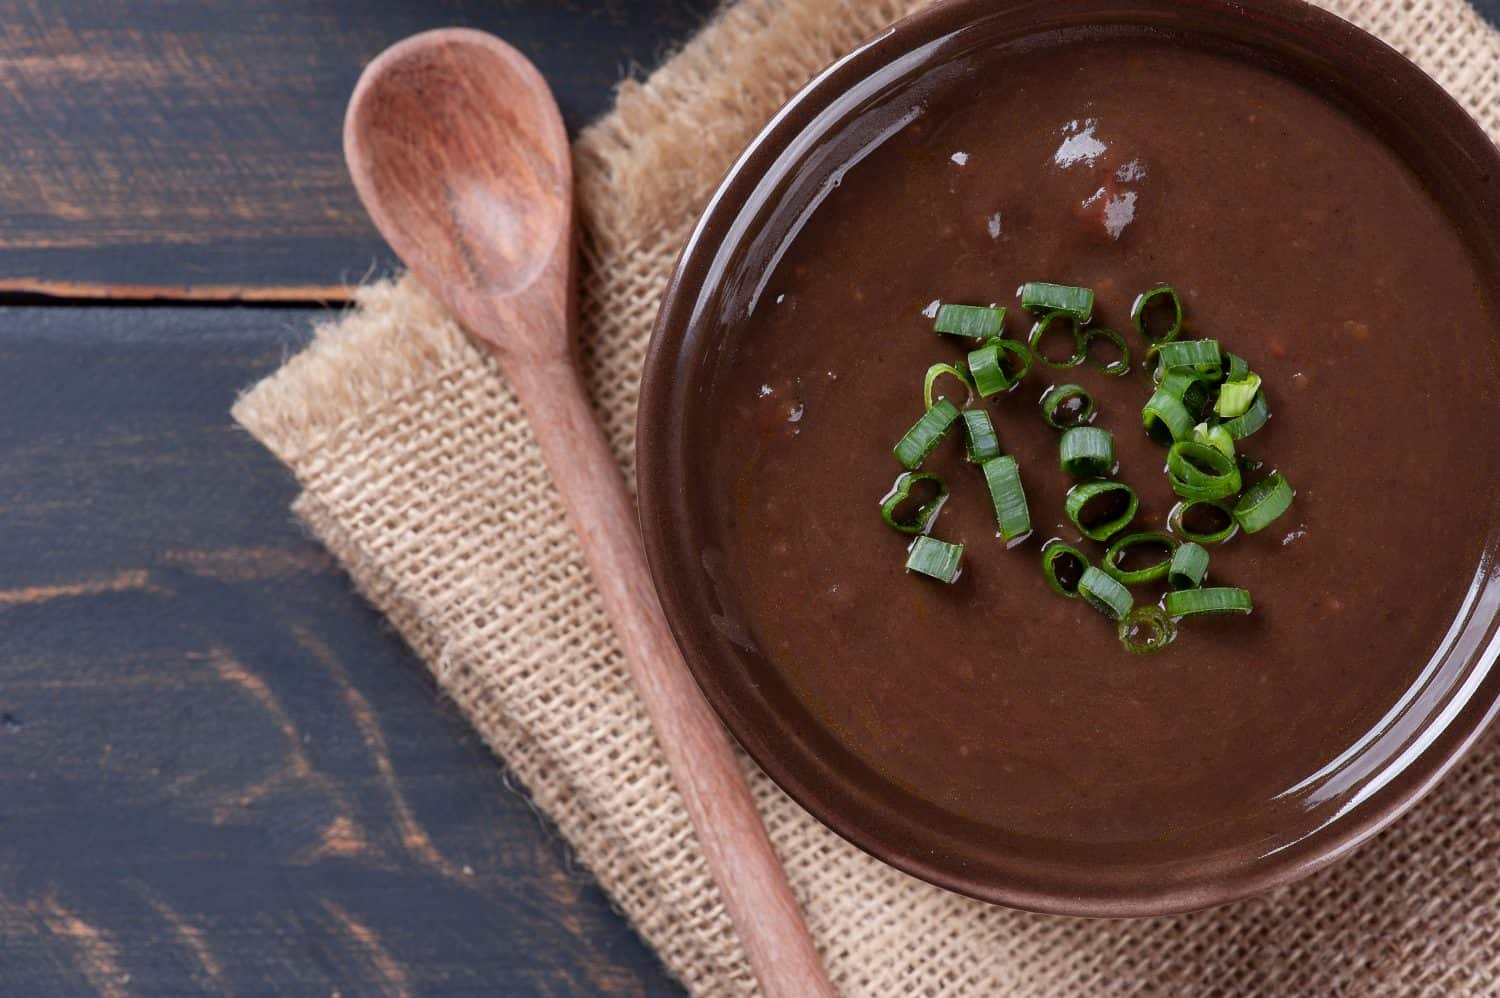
(703, 765)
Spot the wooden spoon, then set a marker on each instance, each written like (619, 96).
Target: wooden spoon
(459, 154)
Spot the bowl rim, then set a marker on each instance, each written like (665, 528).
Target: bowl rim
(1473, 159)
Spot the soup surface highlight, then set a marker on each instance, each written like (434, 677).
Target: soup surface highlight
(1298, 240)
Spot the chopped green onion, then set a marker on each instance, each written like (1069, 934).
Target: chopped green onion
(1138, 576)
(980, 433)
(1146, 629)
(929, 431)
(1013, 518)
(1039, 331)
(1117, 498)
(1236, 368)
(1152, 297)
(1192, 602)
(935, 558)
(977, 322)
(1087, 452)
(1263, 502)
(1104, 593)
(1189, 562)
(1045, 299)
(1067, 405)
(937, 371)
(1198, 357)
(1063, 565)
(1166, 418)
(1254, 418)
(1235, 397)
(1189, 388)
(987, 366)
(1177, 520)
(1198, 471)
(900, 492)
(1115, 368)
(1215, 436)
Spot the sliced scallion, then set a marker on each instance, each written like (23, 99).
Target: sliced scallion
(978, 322)
(1235, 396)
(1064, 406)
(1198, 357)
(1166, 418)
(987, 366)
(1104, 593)
(1044, 299)
(934, 558)
(1087, 452)
(1063, 565)
(1189, 562)
(912, 449)
(1039, 333)
(1253, 419)
(1193, 602)
(979, 432)
(1197, 471)
(1224, 527)
(1138, 576)
(1012, 516)
(1235, 367)
(1215, 436)
(1263, 502)
(1101, 509)
(935, 372)
(1161, 295)
(1115, 368)
(1146, 629)
(921, 520)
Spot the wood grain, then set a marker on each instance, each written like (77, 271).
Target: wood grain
(164, 149)
(219, 771)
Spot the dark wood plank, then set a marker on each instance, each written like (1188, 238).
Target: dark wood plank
(177, 149)
(218, 770)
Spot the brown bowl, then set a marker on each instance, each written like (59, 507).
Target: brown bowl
(1421, 738)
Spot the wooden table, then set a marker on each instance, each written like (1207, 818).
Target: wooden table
(219, 770)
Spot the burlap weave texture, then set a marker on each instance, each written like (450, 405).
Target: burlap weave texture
(403, 436)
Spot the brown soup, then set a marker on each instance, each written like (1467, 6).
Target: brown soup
(1299, 241)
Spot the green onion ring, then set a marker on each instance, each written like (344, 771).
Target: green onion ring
(1263, 502)
(979, 432)
(1139, 576)
(1087, 452)
(1201, 358)
(1254, 418)
(1053, 552)
(1195, 602)
(1189, 562)
(1235, 367)
(1235, 397)
(1138, 313)
(937, 371)
(1166, 418)
(1079, 496)
(901, 491)
(977, 322)
(1198, 471)
(1040, 330)
(1061, 299)
(934, 558)
(1003, 476)
(1104, 593)
(1215, 436)
(913, 448)
(987, 366)
(1057, 396)
(1119, 366)
(1145, 630)
(1177, 519)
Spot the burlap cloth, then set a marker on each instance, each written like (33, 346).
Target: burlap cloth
(419, 473)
